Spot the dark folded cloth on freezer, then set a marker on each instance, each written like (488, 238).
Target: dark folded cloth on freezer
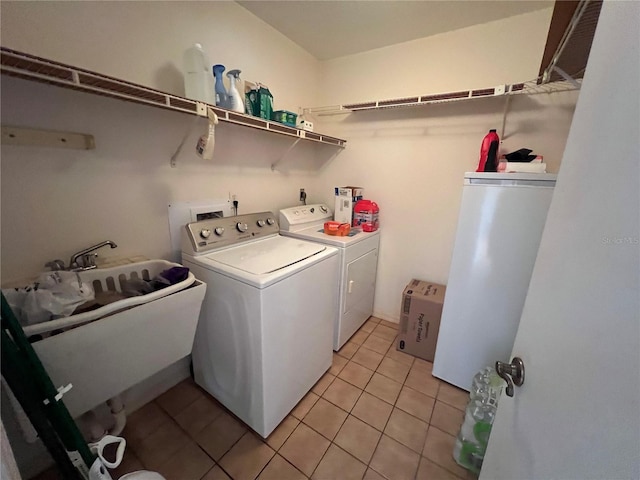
(522, 155)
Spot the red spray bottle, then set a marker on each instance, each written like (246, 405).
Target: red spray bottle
(489, 153)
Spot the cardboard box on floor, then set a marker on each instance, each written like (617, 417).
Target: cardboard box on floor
(420, 318)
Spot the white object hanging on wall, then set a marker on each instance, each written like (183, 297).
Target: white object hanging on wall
(206, 143)
(31, 137)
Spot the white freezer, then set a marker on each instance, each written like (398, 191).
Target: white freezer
(499, 229)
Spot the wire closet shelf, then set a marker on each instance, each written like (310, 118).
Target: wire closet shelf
(30, 67)
(533, 87)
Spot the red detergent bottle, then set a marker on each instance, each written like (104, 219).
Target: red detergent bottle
(489, 152)
(365, 215)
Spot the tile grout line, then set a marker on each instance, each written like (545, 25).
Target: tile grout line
(196, 442)
(348, 413)
(442, 466)
(224, 410)
(385, 427)
(368, 464)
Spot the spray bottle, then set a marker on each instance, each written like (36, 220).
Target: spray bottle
(235, 99)
(206, 143)
(221, 92)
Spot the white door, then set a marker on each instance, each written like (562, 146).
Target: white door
(578, 413)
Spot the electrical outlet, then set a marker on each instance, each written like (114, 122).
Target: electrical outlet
(303, 195)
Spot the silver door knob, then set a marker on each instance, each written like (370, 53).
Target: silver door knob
(512, 373)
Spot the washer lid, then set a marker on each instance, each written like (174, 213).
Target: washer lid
(268, 255)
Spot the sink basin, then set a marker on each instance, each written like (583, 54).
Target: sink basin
(107, 282)
(106, 351)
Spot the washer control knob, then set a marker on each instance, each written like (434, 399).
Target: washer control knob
(242, 227)
(205, 233)
(218, 231)
(270, 221)
(323, 209)
(260, 223)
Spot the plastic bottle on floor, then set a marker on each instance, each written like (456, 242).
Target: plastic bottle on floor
(471, 442)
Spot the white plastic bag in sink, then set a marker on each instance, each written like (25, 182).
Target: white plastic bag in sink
(52, 295)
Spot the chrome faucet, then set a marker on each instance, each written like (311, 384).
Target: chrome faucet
(88, 256)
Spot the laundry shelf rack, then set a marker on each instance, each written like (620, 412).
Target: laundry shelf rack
(30, 67)
(526, 88)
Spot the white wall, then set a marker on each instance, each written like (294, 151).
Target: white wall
(411, 161)
(120, 191)
(57, 201)
(485, 55)
(143, 42)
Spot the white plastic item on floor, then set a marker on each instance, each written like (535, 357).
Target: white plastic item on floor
(98, 470)
(105, 357)
(142, 475)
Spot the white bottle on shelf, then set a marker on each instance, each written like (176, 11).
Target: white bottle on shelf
(198, 79)
(236, 103)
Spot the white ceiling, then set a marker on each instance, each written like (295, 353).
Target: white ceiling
(331, 29)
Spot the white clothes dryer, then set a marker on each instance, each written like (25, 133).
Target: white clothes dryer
(358, 260)
(265, 332)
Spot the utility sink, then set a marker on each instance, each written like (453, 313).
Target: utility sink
(104, 351)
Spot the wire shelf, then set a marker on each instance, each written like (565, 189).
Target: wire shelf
(30, 67)
(526, 88)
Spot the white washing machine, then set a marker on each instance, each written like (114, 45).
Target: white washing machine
(358, 258)
(265, 332)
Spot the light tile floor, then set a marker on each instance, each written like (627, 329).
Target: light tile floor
(376, 414)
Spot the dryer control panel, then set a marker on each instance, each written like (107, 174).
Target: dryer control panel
(297, 218)
(214, 233)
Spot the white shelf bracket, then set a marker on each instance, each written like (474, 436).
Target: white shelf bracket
(504, 117)
(566, 76)
(336, 153)
(47, 138)
(273, 165)
(202, 109)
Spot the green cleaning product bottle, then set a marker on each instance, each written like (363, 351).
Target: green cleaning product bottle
(265, 101)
